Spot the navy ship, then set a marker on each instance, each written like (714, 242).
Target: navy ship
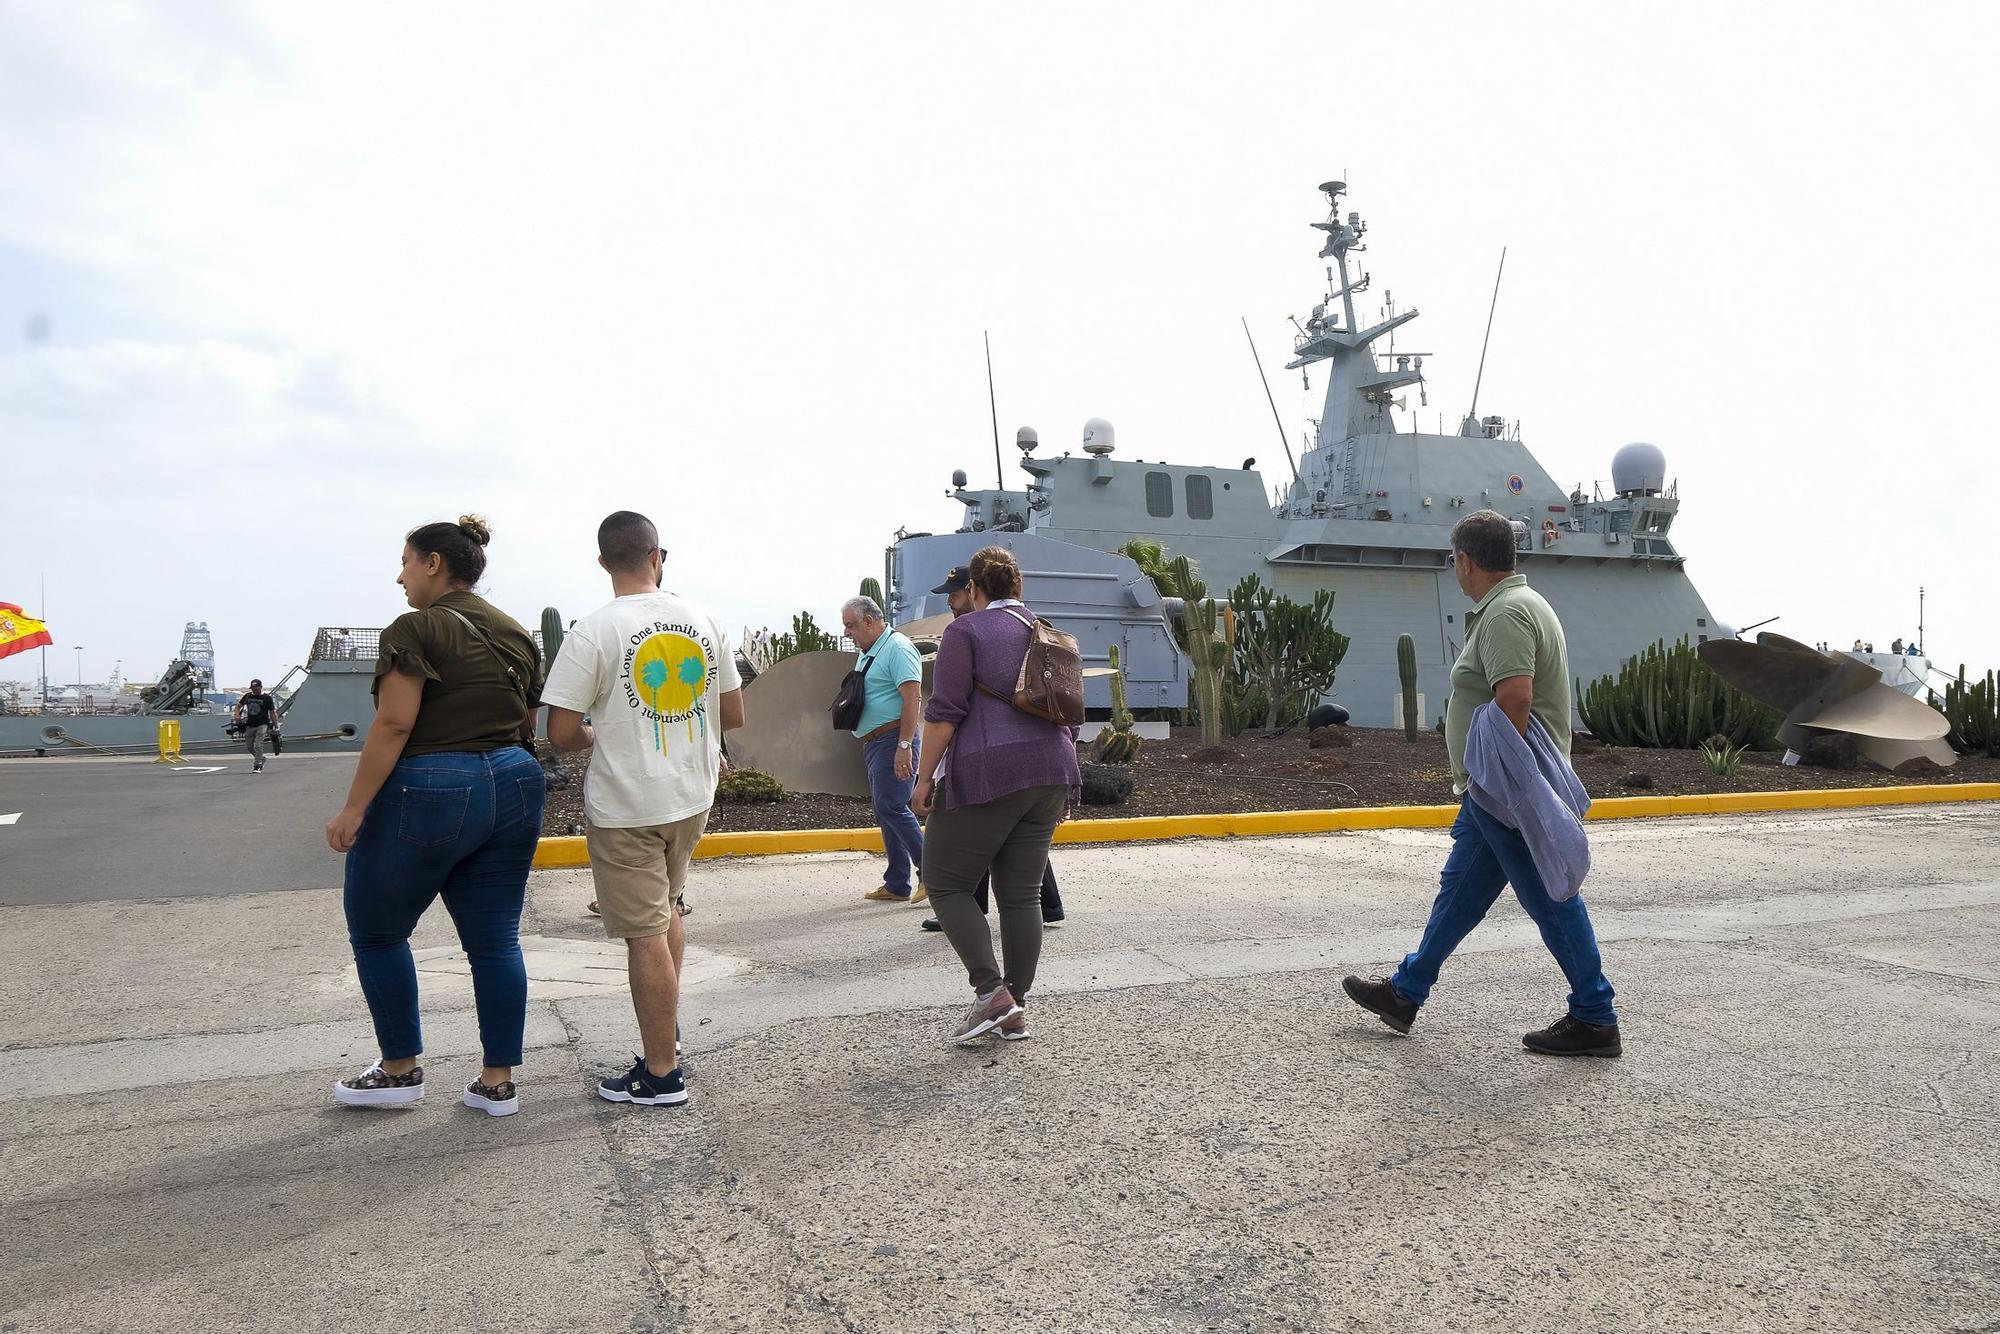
(1366, 510)
(323, 706)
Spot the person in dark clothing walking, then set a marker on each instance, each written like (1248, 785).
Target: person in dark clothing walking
(257, 715)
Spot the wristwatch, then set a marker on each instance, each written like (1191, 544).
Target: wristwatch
(903, 745)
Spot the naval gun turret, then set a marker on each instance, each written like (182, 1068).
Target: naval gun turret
(177, 690)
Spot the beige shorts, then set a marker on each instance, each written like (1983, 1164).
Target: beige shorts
(639, 873)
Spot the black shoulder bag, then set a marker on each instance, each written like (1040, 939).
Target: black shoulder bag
(851, 700)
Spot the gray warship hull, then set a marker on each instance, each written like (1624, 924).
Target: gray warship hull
(327, 706)
(1365, 511)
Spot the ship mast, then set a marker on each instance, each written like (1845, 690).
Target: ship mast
(1359, 393)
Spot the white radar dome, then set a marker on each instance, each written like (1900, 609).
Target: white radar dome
(1098, 436)
(1639, 469)
(1027, 439)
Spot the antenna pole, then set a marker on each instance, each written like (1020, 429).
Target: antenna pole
(1920, 619)
(1489, 334)
(993, 406)
(1276, 420)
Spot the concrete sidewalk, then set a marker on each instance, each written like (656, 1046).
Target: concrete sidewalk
(1204, 1134)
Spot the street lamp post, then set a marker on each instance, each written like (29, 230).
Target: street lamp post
(79, 676)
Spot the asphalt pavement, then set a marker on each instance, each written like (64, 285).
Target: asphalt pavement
(88, 830)
(1203, 1134)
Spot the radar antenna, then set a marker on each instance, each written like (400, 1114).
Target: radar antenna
(1276, 420)
(993, 406)
(1476, 380)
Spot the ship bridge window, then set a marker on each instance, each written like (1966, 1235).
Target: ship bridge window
(1160, 495)
(1200, 497)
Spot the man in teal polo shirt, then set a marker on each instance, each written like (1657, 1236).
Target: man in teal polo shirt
(890, 718)
(1515, 656)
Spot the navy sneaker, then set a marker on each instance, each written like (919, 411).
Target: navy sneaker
(1571, 1036)
(642, 1086)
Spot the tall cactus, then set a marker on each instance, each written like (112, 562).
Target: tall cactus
(552, 636)
(1199, 634)
(1667, 698)
(1121, 743)
(1973, 710)
(1406, 670)
(871, 589)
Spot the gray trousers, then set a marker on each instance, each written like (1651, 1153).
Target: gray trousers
(1009, 836)
(255, 736)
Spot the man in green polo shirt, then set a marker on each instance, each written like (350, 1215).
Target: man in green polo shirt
(1515, 656)
(888, 736)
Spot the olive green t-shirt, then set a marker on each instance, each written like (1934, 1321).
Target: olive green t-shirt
(469, 701)
(1513, 632)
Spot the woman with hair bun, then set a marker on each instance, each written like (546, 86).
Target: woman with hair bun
(446, 801)
(995, 784)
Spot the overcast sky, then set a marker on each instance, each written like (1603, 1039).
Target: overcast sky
(278, 283)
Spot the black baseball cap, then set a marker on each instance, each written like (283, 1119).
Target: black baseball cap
(955, 579)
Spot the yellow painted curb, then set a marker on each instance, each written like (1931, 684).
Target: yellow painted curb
(555, 853)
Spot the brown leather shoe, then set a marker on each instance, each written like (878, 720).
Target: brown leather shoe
(1380, 999)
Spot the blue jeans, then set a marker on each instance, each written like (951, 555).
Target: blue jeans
(1486, 856)
(902, 836)
(464, 825)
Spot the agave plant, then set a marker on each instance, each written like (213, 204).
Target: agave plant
(1721, 758)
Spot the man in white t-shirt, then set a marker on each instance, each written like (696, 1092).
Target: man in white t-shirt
(657, 676)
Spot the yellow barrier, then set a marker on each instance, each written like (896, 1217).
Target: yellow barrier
(554, 853)
(170, 742)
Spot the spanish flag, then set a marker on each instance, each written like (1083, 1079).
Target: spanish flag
(19, 631)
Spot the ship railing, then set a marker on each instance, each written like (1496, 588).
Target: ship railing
(344, 643)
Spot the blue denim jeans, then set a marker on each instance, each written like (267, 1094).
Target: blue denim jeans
(463, 825)
(1486, 857)
(902, 836)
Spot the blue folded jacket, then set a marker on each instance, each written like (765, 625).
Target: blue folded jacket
(1526, 784)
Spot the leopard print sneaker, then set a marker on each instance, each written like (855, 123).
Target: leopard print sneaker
(376, 1087)
(501, 1099)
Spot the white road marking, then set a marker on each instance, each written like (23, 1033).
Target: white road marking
(10, 819)
(191, 769)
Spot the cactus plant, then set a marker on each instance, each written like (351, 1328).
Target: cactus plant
(1406, 671)
(805, 636)
(1286, 655)
(1121, 744)
(1198, 634)
(1974, 714)
(872, 590)
(1667, 698)
(552, 636)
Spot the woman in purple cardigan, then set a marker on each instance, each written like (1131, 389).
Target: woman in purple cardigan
(995, 783)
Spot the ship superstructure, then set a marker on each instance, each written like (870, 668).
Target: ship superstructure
(1366, 510)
